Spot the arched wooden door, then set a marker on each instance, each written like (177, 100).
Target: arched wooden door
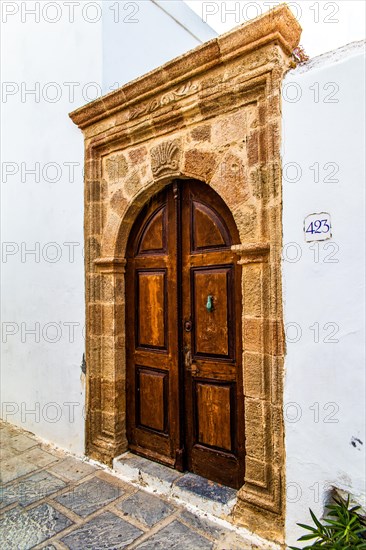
(183, 319)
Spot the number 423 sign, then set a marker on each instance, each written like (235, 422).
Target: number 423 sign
(317, 227)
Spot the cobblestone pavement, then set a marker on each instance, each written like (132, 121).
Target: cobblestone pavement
(51, 500)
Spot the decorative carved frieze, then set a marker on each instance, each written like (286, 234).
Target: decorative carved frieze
(173, 95)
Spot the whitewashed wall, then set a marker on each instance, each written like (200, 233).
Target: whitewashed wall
(323, 283)
(140, 36)
(69, 56)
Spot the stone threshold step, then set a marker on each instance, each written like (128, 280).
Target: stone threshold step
(189, 489)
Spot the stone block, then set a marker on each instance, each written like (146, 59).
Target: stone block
(72, 469)
(253, 335)
(200, 164)
(95, 325)
(255, 421)
(27, 528)
(254, 375)
(256, 472)
(252, 290)
(146, 508)
(176, 535)
(201, 133)
(115, 532)
(86, 498)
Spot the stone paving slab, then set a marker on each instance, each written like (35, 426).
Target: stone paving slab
(104, 531)
(39, 457)
(89, 497)
(30, 489)
(204, 526)
(15, 467)
(176, 536)
(72, 469)
(53, 501)
(23, 529)
(21, 442)
(6, 453)
(146, 508)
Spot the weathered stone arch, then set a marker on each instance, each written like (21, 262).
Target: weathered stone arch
(223, 178)
(213, 115)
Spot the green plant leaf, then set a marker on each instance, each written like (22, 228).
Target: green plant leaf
(343, 528)
(355, 508)
(309, 537)
(337, 523)
(315, 520)
(308, 527)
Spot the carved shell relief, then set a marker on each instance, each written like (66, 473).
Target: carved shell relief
(164, 157)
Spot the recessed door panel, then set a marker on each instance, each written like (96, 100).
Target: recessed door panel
(153, 238)
(151, 309)
(214, 415)
(208, 231)
(152, 399)
(212, 309)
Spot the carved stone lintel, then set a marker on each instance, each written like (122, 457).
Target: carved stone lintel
(252, 253)
(110, 265)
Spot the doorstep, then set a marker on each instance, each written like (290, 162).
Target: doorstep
(189, 489)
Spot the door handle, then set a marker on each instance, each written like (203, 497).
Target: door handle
(188, 362)
(209, 303)
(187, 358)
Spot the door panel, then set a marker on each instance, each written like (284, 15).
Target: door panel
(183, 313)
(153, 426)
(211, 305)
(152, 399)
(153, 238)
(207, 229)
(214, 415)
(151, 309)
(211, 290)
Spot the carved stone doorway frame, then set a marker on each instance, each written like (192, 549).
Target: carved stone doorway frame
(213, 114)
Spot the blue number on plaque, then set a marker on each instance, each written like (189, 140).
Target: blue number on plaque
(315, 226)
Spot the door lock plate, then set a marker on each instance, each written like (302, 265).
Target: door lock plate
(193, 369)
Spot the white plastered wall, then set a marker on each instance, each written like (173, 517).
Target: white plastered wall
(323, 283)
(68, 56)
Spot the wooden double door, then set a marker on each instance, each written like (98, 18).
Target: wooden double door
(183, 336)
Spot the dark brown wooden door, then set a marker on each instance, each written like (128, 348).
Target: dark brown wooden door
(184, 375)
